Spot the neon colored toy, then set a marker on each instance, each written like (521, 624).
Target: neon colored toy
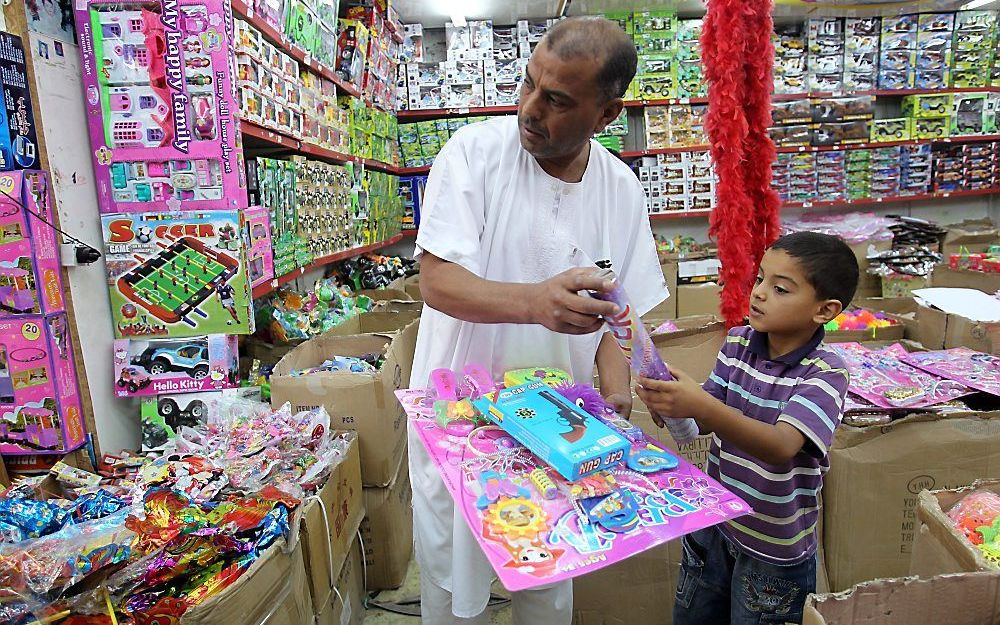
(573, 442)
(640, 352)
(152, 367)
(40, 409)
(161, 103)
(171, 274)
(29, 249)
(859, 319)
(552, 377)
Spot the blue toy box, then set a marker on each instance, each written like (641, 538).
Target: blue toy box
(555, 429)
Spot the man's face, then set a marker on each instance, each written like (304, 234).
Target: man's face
(560, 106)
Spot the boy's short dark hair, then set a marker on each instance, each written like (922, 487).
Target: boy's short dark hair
(828, 262)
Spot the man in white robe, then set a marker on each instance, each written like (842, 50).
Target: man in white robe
(517, 215)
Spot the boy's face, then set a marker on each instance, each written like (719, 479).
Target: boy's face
(783, 301)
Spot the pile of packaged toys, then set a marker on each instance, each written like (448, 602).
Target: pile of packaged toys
(977, 517)
(150, 537)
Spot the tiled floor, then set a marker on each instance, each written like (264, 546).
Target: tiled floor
(411, 589)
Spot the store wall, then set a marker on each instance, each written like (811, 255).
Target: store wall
(60, 94)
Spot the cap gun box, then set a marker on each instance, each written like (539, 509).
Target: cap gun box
(155, 366)
(29, 248)
(178, 274)
(164, 132)
(40, 410)
(538, 418)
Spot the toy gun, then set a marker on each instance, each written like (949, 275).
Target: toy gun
(639, 350)
(576, 422)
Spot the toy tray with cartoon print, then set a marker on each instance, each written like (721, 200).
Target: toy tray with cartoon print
(161, 104)
(531, 540)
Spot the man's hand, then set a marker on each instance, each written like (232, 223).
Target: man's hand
(678, 399)
(621, 402)
(558, 305)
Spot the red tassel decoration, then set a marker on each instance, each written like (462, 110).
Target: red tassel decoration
(738, 56)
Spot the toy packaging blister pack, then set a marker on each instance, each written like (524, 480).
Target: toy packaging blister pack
(18, 138)
(40, 410)
(536, 527)
(260, 253)
(178, 274)
(30, 279)
(163, 416)
(974, 369)
(154, 366)
(161, 103)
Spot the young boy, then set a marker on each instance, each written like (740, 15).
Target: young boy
(772, 402)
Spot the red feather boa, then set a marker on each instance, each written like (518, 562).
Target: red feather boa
(738, 58)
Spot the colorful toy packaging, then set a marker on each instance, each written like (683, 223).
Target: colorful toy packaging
(536, 527)
(164, 415)
(178, 274)
(30, 279)
(151, 367)
(161, 103)
(40, 409)
(260, 254)
(963, 365)
(18, 140)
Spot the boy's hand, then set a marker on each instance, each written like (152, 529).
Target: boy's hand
(677, 399)
(621, 402)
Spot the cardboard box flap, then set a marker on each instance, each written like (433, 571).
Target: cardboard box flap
(956, 599)
(850, 436)
(386, 295)
(689, 326)
(932, 511)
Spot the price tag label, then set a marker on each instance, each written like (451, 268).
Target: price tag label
(31, 331)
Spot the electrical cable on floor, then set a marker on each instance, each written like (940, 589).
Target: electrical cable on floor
(411, 605)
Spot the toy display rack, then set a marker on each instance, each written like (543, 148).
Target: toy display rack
(319, 263)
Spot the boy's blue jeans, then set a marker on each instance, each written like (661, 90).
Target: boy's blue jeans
(720, 584)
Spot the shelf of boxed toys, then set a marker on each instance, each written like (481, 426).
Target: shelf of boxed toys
(246, 12)
(279, 139)
(937, 195)
(422, 114)
(319, 263)
(702, 212)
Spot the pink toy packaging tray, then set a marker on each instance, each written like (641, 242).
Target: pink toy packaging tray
(963, 365)
(260, 254)
(884, 379)
(30, 281)
(161, 103)
(536, 528)
(40, 409)
(154, 366)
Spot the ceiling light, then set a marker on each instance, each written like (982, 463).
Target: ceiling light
(975, 4)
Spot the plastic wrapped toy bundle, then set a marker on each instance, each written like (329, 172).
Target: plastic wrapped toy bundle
(977, 510)
(639, 350)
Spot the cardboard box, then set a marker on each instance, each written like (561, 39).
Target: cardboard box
(939, 546)
(386, 295)
(328, 530)
(346, 606)
(903, 308)
(387, 530)
(361, 402)
(4, 478)
(939, 330)
(967, 599)
(698, 299)
(875, 476)
(868, 285)
(902, 285)
(667, 309)
(971, 235)
(273, 590)
(945, 276)
(894, 332)
(695, 346)
(413, 287)
(376, 322)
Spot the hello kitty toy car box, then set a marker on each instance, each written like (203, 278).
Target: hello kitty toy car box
(161, 104)
(154, 366)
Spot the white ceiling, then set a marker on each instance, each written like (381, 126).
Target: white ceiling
(434, 13)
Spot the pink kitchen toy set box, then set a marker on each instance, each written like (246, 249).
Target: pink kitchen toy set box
(154, 366)
(260, 254)
(30, 281)
(40, 409)
(161, 104)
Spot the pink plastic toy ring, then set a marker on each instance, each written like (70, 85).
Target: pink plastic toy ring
(459, 428)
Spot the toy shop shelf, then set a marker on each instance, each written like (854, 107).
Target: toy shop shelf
(319, 263)
(885, 144)
(241, 8)
(419, 114)
(332, 155)
(268, 136)
(664, 102)
(680, 214)
(651, 152)
(409, 234)
(273, 138)
(413, 171)
(941, 195)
